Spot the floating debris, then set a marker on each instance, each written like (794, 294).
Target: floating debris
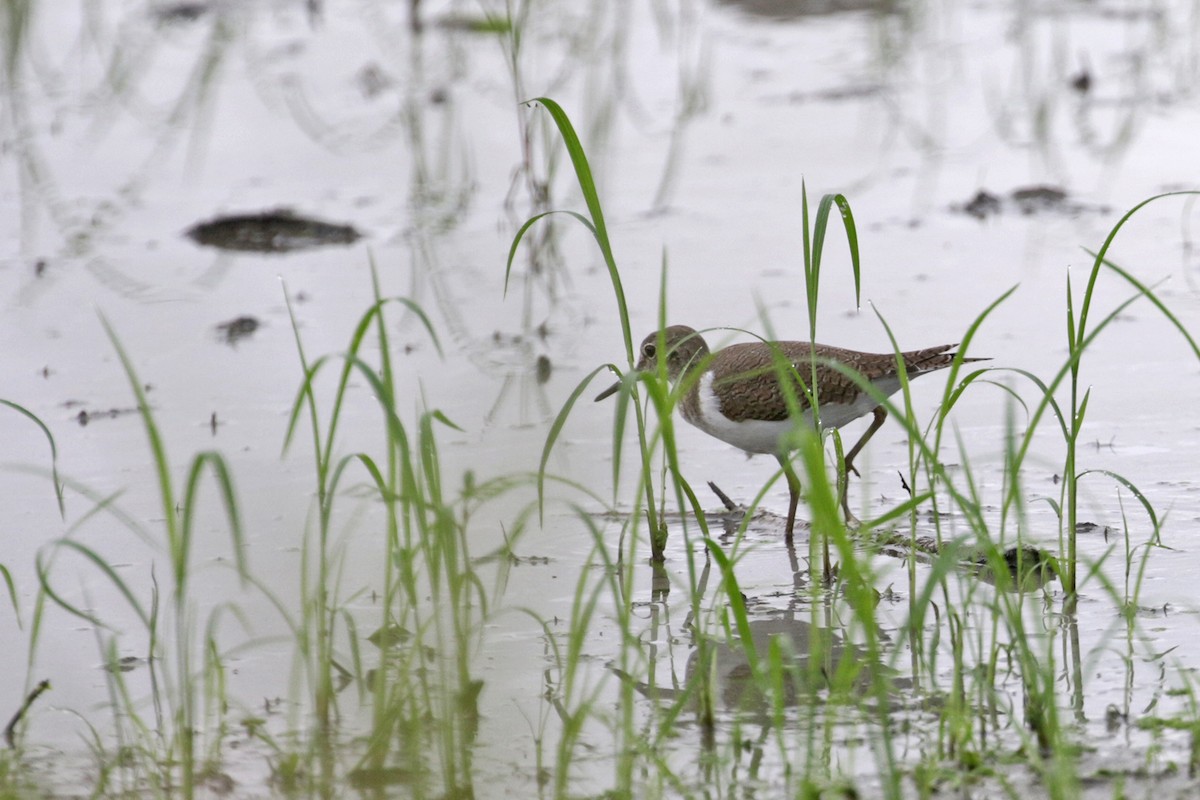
(124, 664)
(373, 81)
(236, 329)
(85, 416)
(1086, 528)
(1082, 82)
(278, 231)
(831, 95)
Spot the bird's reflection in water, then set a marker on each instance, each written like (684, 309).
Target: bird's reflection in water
(811, 659)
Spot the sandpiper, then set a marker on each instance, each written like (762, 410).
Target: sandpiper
(737, 397)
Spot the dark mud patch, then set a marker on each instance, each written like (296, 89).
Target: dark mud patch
(1092, 527)
(1026, 201)
(237, 329)
(278, 231)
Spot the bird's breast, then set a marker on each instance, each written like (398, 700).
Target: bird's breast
(751, 435)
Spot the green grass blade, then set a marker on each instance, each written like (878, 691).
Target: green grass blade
(587, 185)
(821, 225)
(58, 491)
(529, 223)
(158, 449)
(1149, 294)
(1101, 256)
(1141, 498)
(12, 592)
(105, 568)
(224, 478)
(555, 429)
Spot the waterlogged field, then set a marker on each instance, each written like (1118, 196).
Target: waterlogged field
(304, 491)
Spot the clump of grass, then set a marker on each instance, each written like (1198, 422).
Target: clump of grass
(595, 224)
(182, 675)
(426, 685)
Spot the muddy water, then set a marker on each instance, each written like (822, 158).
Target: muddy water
(124, 129)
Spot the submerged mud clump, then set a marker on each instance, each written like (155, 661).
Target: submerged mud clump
(278, 231)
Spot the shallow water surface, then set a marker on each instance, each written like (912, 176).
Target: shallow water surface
(980, 147)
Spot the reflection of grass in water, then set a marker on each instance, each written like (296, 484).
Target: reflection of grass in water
(966, 640)
(425, 687)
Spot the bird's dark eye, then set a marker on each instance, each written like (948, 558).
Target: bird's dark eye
(648, 350)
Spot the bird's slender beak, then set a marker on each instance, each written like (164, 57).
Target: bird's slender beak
(608, 392)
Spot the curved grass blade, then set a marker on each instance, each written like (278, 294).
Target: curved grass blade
(587, 185)
(1101, 256)
(821, 224)
(555, 429)
(1148, 293)
(814, 247)
(157, 447)
(1141, 498)
(220, 469)
(529, 223)
(105, 568)
(12, 592)
(58, 489)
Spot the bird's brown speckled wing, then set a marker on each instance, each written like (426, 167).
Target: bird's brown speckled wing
(746, 379)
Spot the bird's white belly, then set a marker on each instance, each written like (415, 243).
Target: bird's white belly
(752, 435)
(763, 436)
(835, 415)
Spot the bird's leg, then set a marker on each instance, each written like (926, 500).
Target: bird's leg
(848, 461)
(793, 496)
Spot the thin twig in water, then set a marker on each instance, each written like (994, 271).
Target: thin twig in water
(724, 498)
(10, 731)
